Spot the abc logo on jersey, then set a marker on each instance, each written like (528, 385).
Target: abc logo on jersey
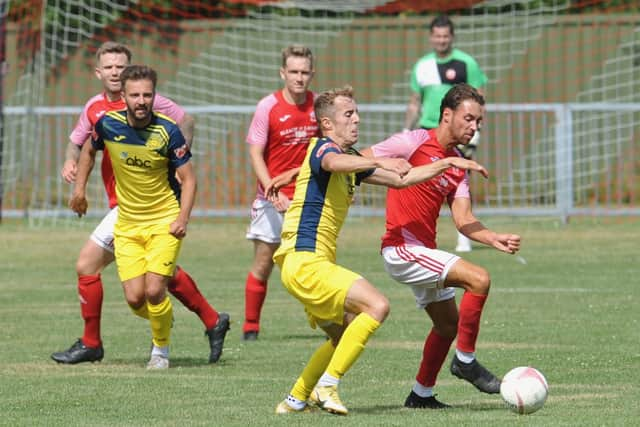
(137, 162)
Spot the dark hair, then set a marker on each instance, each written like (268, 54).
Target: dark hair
(442, 21)
(458, 94)
(138, 72)
(112, 47)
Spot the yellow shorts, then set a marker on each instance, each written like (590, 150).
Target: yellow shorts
(319, 284)
(140, 249)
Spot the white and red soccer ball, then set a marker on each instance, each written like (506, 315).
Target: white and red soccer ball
(524, 390)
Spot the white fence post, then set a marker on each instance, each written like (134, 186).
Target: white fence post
(564, 164)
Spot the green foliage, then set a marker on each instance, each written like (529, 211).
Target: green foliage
(570, 311)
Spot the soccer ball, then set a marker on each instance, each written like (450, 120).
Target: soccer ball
(524, 390)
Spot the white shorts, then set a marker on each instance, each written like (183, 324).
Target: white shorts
(421, 268)
(103, 233)
(266, 222)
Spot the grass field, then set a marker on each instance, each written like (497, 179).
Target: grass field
(572, 311)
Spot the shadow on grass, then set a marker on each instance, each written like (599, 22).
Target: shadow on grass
(498, 405)
(376, 409)
(308, 337)
(175, 362)
(473, 407)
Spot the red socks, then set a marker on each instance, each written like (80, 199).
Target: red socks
(469, 321)
(434, 353)
(254, 294)
(185, 290)
(90, 294)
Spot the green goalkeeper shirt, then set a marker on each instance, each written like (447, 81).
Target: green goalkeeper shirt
(432, 77)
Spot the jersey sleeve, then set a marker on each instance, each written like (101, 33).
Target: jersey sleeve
(82, 131)
(96, 135)
(322, 148)
(258, 133)
(477, 78)
(361, 176)
(169, 108)
(178, 152)
(461, 191)
(401, 145)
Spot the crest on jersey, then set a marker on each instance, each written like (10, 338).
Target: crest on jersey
(155, 142)
(450, 74)
(181, 151)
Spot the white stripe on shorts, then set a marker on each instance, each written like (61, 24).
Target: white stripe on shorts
(422, 259)
(424, 270)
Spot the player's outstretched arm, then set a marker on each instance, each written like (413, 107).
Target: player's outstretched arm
(78, 202)
(467, 223)
(423, 173)
(347, 163)
(504, 242)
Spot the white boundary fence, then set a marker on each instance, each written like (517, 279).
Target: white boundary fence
(545, 160)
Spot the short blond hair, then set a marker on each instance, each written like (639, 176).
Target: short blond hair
(112, 47)
(324, 103)
(296, 50)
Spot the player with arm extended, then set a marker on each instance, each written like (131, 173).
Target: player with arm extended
(148, 155)
(278, 138)
(346, 306)
(432, 76)
(97, 252)
(412, 258)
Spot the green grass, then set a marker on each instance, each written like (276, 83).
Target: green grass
(571, 311)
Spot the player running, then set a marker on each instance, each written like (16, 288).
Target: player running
(412, 258)
(97, 252)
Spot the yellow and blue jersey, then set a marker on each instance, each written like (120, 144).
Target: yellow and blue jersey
(144, 162)
(320, 204)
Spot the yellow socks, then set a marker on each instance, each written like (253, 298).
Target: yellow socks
(312, 372)
(160, 318)
(352, 344)
(141, 311)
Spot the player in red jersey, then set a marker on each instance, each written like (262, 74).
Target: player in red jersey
(97, 253)
(409, 245)
(278, 138)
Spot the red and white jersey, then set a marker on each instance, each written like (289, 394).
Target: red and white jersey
(94, 109)
(412, 212)
(284, 130)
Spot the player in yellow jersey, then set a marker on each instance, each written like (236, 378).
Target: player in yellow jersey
(343, 303)
(149, 155)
